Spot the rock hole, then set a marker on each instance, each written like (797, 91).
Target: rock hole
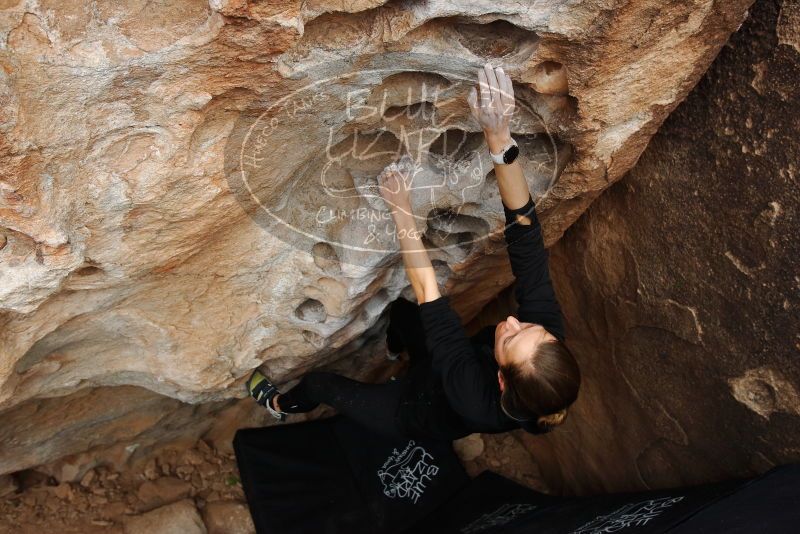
(455, 144)
(3, 241)
(543, 156)
(454, 233)
(418, 111)
(762, 395)
(458, 245)
(756, 390)
(347, 171)
(30, 478)
(312, 311)
(441, 268)
(339, 183)
(450, 221)
(377, 303)
(496, 39)
(550, 78)
(489, 188)
(326, 258)
(88, 270)
(315, 339)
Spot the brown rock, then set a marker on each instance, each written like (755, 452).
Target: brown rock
(192, 457)
(113, 510)
(184, 471)
(162, 491)
(550, 78)
(177, 518)
(64, 491)
(679, 288)
(207, 470)
(228, 517)
(87, 478)
(71, 468)
(469, 448)
(204, 448)
(8, 485)
(151, 471)
(129, 242)
(98, 500)
(71, 473)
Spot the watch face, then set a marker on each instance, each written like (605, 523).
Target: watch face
(511, 154)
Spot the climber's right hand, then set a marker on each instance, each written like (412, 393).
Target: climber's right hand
(492, 103)
(394, 184)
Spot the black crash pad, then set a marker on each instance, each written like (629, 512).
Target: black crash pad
(335, 476)
(491, 504)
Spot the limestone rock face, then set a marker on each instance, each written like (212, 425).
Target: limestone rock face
(680, 289)
(173, 177)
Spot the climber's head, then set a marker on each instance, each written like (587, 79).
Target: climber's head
(539, 378)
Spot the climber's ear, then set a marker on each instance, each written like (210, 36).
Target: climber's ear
(500, 380)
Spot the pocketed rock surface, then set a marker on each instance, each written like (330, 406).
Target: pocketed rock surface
(170, 188)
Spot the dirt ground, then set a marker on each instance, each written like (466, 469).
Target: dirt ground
(109, 502)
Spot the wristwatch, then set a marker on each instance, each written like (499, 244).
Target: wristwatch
(507, 155)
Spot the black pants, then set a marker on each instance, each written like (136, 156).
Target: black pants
(373, 405)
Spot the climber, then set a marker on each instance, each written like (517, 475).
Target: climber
(516, 374)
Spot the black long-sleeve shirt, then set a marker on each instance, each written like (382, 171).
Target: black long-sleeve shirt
(459, 394)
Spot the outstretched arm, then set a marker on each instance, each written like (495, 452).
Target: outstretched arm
(492, 106)
(393, 184)
(469, 389)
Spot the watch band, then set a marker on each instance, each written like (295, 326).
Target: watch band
(502, 158)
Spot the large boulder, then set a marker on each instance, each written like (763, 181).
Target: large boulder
(680, 287)
(165, 166)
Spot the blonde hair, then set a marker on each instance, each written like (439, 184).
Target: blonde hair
(548, 422)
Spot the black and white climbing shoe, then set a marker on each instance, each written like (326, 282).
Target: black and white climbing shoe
(393, 356)
(393, 347)
(263, 392)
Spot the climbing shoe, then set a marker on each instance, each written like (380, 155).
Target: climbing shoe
(263, 392)
(393, 356)
(394, 345)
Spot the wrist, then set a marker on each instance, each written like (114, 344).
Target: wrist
(428, 286)
(431, 292)
(496, 141)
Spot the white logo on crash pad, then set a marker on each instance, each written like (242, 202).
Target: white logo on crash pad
(505, 514)
(629, 516)
(405, 474)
